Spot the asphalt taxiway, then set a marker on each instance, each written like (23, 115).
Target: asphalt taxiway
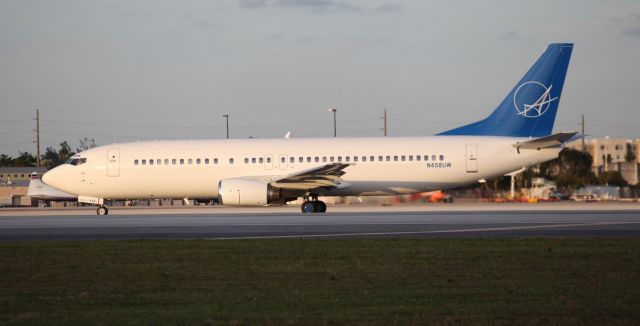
(281, 222)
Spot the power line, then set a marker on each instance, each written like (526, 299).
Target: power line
(92, 135)
(15, 132)
(13, 121)
(19, 143)
(200, 126)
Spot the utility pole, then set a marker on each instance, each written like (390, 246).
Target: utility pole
(385, 122)
(606, 154)
(335, 132)
(584, 147)
(226, 116)
(37, 137)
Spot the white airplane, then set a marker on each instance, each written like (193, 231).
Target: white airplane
(38, 190)
(260, 172)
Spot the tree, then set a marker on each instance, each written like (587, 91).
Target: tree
(613, 178)
(630, 156)
(24, 159)
(86, 144)
(572, 169)
(53, 158)
(6, 161)
(50, 158)
(65, 151)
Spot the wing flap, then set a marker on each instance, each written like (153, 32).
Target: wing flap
(323, 176)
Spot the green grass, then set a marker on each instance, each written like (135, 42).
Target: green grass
(387, 281)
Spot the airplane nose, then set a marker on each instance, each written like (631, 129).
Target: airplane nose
(52, 177)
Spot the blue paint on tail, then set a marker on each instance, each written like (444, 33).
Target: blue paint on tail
(530, 108)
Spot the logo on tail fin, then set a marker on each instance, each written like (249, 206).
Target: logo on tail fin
(532, 91)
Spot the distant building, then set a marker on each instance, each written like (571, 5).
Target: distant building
(19, 176)
(613, 154)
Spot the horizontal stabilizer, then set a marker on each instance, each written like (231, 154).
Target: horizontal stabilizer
(39, 190)
(554, 140)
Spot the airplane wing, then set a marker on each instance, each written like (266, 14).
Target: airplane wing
(323, 176)
(554, 140)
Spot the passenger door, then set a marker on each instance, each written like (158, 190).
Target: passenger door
(472, 158)
(113, 162)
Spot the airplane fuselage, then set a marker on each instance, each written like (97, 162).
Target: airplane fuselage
(377, 166)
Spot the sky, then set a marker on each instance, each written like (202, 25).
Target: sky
(120, 71)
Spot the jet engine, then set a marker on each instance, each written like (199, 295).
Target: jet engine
(250, 192)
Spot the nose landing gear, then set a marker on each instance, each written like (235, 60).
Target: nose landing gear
(102, 210)
(313, 206)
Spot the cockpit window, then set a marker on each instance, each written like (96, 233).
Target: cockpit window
(76, 161)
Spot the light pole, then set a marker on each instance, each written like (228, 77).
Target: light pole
(335, 133)
(226, 116)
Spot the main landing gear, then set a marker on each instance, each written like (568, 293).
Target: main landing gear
(313, 206)
(102, 210)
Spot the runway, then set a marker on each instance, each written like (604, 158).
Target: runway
(284, 222)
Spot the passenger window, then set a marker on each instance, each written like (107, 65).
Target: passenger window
(253, 160)
(433, 157)
(418, 157)
(268, 160)
(426, 157)
(300, 159)
(410, 157)
(198, 161)
(283, 160)
(173, 161)
(355, 159)
(135, 162)
(181, 161)
(324, 159)
(331, 159)
(346, 158)
(339, 158)
(144, 162)
(190, 161)
(246, 160)
(206, 161)
(151, 162)
(372, 158)
(261, 160)
(158, 162)
(364, 158)
(308, 159)
(403, 158)
(441, 157)
(215, 161)
(395, 157)
(166, 161)
(388, 158)
(292, 159)
(317, 159)
(230, 160)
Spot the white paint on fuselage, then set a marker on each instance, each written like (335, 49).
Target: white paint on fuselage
(496, 156)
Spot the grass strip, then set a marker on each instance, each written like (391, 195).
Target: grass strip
(319, 281)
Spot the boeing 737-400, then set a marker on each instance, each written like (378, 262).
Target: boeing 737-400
(260, 172)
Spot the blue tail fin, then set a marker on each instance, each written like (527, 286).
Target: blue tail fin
(530, 108)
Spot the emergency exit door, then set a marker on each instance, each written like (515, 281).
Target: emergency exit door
(113, 162)
(472, 158)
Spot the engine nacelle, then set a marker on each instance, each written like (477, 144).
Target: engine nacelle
(248, 192)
